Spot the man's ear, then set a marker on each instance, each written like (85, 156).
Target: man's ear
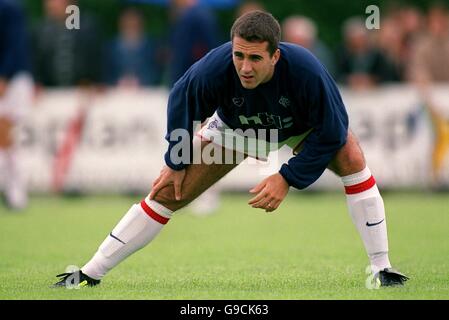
(276, 56)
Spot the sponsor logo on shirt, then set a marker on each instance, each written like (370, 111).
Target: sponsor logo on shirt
(213, 124)
(267, 119)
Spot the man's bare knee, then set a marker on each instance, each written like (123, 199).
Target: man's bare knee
(349, 159)
(166, 198)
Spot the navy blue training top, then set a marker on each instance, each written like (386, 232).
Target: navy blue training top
(300, 96)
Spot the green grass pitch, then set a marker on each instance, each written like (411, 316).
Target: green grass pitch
(307, 249)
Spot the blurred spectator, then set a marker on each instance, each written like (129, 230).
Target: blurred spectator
(430, 64)
(66, 57)
(430, 58)
(16, 89)
(390, 43)
(302, 31)
(412, 24)
(361, 65)
(247, 6)
(399, 28)
(130, 58)
(194, 33)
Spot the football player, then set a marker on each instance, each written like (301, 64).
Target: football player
(254, 83)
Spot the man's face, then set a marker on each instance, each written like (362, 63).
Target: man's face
(253, 62)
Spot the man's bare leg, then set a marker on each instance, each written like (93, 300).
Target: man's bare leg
(364, 201)
(143, 221)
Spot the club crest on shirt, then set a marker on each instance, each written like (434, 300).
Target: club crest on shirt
(285, 102)
(238, 101)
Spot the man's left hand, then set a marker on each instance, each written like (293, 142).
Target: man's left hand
(270, 193)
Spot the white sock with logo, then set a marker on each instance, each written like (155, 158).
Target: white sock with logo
(366, 208)
(136, 229)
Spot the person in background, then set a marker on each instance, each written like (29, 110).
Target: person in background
(194, 32)
(430, 66)
(360, 62)
(411, 21)
(130, 58)
(247, 6)
(65, 57)
(390, 43)
(430, 52)
(16, 90)
(303, 31)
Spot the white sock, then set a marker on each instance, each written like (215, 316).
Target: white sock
(366, 208)
(135, 230)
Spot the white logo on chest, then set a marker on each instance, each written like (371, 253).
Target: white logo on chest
(266, 119)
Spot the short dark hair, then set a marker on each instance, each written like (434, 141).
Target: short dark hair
(258, 26)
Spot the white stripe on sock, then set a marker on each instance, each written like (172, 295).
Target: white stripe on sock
(356, 178)
(158, 208)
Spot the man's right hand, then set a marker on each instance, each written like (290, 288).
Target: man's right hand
(166, 177)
